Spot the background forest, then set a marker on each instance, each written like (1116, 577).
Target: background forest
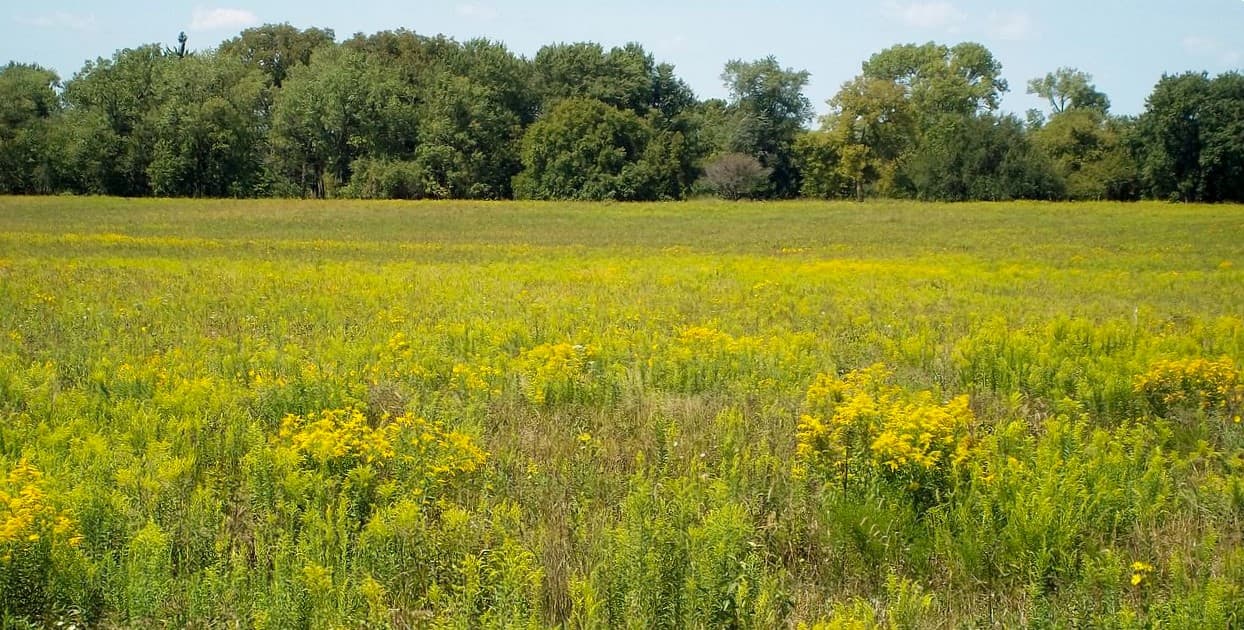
(280, 111)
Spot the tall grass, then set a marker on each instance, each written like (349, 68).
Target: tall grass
(327, 414)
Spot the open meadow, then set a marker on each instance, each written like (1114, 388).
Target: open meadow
(301, 414)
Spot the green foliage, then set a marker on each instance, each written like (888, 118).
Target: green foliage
(209, 137)
(1189, 138)
(1069, 88)
(964, 79)
(1090, 152)
(343, 106)
(769, 108)
(978, 157)
(275, 49)
(586, 149)
(283, 112)
(28, 102)
(387, 179)
(114, 99)
(397, 415)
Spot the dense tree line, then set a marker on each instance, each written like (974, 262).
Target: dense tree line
(279, 111)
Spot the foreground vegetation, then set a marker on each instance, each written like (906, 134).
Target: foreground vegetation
(328, 414)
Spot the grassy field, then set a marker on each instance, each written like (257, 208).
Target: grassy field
(290, 414)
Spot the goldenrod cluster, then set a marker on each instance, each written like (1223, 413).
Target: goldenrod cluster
(863, 417)
(1204, 384)
(1140, 572)
(26, 517)
(548, 369)
(345, 437)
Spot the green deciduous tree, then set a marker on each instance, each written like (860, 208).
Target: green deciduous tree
(962, 79)
(28, 105)
(343, 106)
(113, 100)
(276, 49)
(770, 109)
(209, 135)
(621, 77)
(1190, 139)
(1069, 88)
(468, 141)
(587, 149)
(964, 157)
(873, 124)
(1090, 153)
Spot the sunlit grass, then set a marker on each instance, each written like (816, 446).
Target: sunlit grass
(324, 414)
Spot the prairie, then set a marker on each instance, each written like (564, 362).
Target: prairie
(317, 414)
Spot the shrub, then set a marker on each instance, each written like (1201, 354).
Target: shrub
(736, 176)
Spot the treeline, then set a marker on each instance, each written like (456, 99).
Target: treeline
(279, 111)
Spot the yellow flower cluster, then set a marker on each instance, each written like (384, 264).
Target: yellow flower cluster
(922, 433)
(863, 417)
(476, 379)
(25, 514)
(337, 434)
(345, 437)
(1209, 385)
(1140, 572)
(701, 341)
(549, 368)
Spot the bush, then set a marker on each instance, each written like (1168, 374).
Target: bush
(736, 176)
(386, 179)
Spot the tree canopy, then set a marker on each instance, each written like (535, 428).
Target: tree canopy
(284, 111)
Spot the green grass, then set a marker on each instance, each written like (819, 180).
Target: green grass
(639, 377)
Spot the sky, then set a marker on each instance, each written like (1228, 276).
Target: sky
(1126, 46)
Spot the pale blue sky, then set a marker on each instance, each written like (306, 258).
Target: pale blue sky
(1125, 45)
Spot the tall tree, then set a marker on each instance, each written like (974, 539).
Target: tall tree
(1069, 88)
(962, 79)
(208, 129)
(343, 106)
(963, 157)
(770, 108)
(1089, 151)
(113, 100)
(28, 103)
(468, 140)
(1190, 139)
(873, 125)
(276, 49)
(587, 149)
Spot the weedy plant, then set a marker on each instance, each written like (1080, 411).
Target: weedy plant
(368, 414)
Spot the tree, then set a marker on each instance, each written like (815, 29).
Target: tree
(113, 100)
(736, 176)
(1190, 139)
(770, 109)
(887, 115)
(622, 77)
(586, 149)
(276, 49)
(873, 125)
(343, 106)
(208, 130)
(28, 105)
(1069, 88)
(468, 141)
(964, 157)
(964, 79)
(1089, 152)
